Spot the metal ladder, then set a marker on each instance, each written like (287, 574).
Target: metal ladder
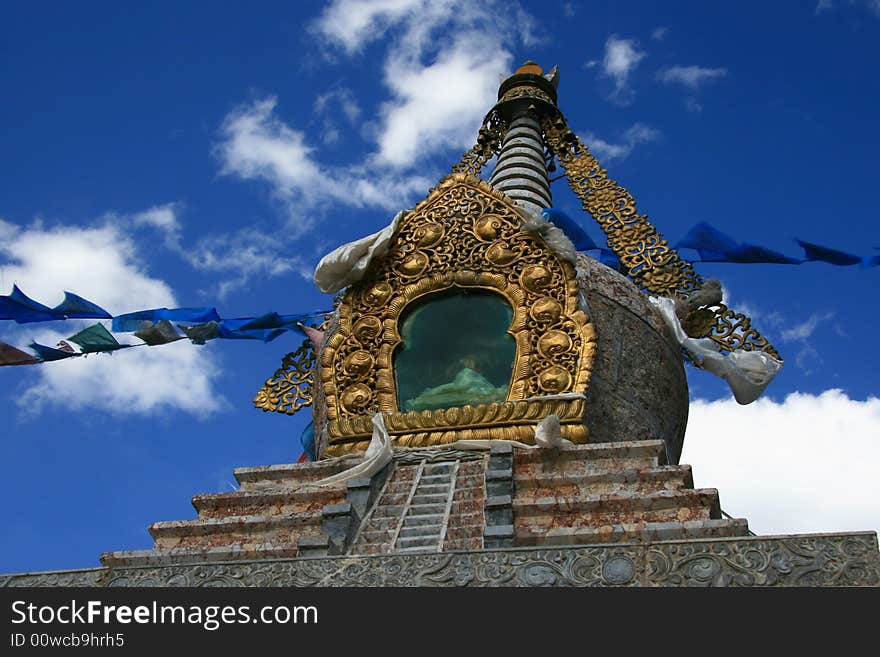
(419, 522)
(425, 516)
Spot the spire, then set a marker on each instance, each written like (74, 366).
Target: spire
(521, 171)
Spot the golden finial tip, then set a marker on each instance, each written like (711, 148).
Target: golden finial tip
(529, 67)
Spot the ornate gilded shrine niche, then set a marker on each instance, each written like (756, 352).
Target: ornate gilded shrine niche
(464, 238)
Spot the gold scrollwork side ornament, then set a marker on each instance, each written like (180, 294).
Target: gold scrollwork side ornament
(649, 260)
(488, 144)
(290, 388)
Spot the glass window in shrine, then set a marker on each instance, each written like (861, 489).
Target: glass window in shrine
(455, 351)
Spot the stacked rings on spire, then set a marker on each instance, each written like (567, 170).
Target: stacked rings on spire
(521, 171)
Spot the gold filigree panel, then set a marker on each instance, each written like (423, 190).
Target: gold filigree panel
(648, 258)
(290, 388)
(464, 235)
(488, 144)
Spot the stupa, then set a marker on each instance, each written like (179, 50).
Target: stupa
(492, 407)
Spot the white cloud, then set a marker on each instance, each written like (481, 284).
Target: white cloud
(344, 98)
(691, 104)
(439, 106)
(690, 76)
(659, 33)
(621, 58)
(607, 151)
(245, 253)
(352, 24)
(439, 90)
(98, 263)
(805, 329)
(257, 145)
(801, 333)
(141, 381)
(440, 87)
(101, 264)
(806, 464)
(162, 218)
(239, 255)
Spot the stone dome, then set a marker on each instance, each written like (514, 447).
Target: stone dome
(638, 389)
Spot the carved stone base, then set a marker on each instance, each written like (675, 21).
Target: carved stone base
(850, 559)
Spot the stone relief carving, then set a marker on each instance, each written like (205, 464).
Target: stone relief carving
(802, 560)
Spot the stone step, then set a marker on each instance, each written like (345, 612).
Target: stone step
(471, 467)
(444, 468)
(172, 556)
(436, 479)
(420, 499)
(470, 518)
(590, 458)
(405, 473)
(597, 510)
(394, 499)
(235, 530)
(462, 544)
(377, 523)
(467, 507)
(293, 474)
(398, 488)
(646, 480)
(285, 502)
(465, 494)
(464, 531)
(420, 530)
(388, 510)
(433, 489)
(417, 548)
(417, 542)
(418, 521)
(632, 532)
(427, 509)
(376, 536)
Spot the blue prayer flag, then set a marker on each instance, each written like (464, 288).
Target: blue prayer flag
(23, 309)
(75, 307)
(815, 252)
(132, 321)
(709, 242)
(749, 253)
(307, 440)
(49, 353)
(572, 230)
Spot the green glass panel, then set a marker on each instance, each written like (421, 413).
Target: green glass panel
(455, 351)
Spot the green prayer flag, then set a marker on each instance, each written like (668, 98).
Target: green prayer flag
(96, 339)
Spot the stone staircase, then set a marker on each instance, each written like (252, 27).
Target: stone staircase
(611, 492)
(426, 506)
(442, 500)
(272, 512)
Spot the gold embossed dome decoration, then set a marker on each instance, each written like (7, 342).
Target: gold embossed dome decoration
(463, 236)
(466, 235)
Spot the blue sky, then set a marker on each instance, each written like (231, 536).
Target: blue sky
(211, 154)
